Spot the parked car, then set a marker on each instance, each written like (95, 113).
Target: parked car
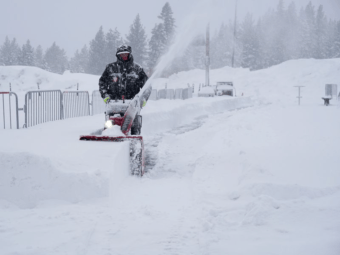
(225, 88)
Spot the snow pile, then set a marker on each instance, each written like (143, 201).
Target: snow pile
(274, 84)
(113, 131)
(27, 179)
(26, 78)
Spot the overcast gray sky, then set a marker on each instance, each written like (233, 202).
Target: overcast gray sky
(73, 23)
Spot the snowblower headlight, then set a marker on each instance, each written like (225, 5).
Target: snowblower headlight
(108, 124)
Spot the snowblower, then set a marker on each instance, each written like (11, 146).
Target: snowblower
(123, 123)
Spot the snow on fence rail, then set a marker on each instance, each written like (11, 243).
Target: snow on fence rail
(9, 108)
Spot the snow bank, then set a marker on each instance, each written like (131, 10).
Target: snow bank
(26, 179)
(25, 78)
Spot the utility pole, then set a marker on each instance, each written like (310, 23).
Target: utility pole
(299, 96)
(234, 37)
(207, 57)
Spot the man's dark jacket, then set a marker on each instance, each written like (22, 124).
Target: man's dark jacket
(122, 79)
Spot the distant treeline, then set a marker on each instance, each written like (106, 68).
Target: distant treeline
(281, 34)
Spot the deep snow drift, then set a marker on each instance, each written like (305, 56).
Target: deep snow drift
(258, 180)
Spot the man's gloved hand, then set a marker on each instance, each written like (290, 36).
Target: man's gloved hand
(106, 99)
(143, 103)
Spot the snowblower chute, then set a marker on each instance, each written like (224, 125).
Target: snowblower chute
(124, 114)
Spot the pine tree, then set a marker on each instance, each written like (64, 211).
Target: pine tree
(263, 49)
(307, 32)
(292, 32)
(221, 47)
(277, 46)
(97, 54)
(336, 47)
(39, 57)
(10, 52)
(137, 40)
(113, 41)
(27, 55)
(15, 52)
(79, 62)
(168, 22)
(320, 30)
(74, 63)
(249, 57)
(5, 53)
(55, 59)
(195, 55)
(156, 46)
(84, 59)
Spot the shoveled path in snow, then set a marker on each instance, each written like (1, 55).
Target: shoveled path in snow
(260, 180)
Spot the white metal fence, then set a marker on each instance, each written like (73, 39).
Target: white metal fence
(76, 104)
(171, 94)
(43, 106)
(98, 105)
(49, 105)
(9, 110)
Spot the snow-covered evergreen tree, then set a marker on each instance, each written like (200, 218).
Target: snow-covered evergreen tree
(5, 53)
(168, 22)
(221, 47)
(336, 47)
(113, 41)
(55, 59)
(156, 46)
(278, 52)
(137, 40)
(292, 32)
(27, 54)
(97, 54)
(39, 57)
(307, 31)
(320, 30)
(79, 62)
(250, 50)
(10, 52)
(194, 57)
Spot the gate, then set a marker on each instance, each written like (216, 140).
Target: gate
(170, 94)
(7, 115)
(98, 105)
(43, 106)
(187, 93)
(153, 95)
(178, 94)
(76, 104)
(331, 90)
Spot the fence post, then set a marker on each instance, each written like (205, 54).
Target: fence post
(10, 108)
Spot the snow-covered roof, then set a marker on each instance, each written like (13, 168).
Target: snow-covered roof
(224, 87)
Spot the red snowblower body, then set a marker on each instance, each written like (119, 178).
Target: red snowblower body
(125, 113)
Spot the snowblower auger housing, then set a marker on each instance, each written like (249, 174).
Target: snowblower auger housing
(114, 112)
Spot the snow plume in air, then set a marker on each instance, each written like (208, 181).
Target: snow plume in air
(194, 25)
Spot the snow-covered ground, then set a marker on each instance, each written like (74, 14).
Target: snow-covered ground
(263, 179)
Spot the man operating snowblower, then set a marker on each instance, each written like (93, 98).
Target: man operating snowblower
(121, 81)
(121, 87)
